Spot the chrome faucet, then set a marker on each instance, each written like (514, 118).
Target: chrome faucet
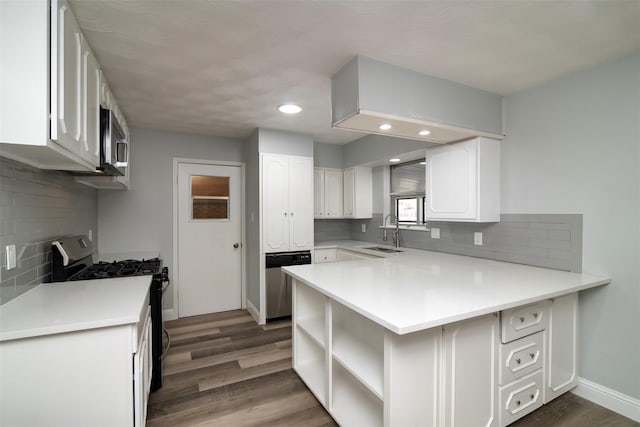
(384, 227)
(396, 234)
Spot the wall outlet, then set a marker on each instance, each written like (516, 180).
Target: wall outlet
(11, 256)
(364, 228)
(477, 238)
(435, 233)
(90, 235)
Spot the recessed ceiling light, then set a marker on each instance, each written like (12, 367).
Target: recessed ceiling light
(289, 108)
(384, 126)
(424, 132)
(394, 160)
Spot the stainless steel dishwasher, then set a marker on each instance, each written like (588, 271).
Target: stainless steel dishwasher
(278, 284)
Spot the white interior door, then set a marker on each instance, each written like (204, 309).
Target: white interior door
(209, 238)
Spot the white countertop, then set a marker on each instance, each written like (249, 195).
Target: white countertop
(416, 290)
(52, 308)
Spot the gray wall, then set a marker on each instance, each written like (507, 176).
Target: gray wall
(35, 208)
(142, 218)
(253, 220)
(328, 155)
(281, 142)
(573, 146)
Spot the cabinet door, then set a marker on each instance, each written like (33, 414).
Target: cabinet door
(349, 188)
(300, 203)
(333, 193)
(451, 182)
(469, 372)
(562, 342)
(318, 193)
(90, 149)
(66, 126)
(275, 197)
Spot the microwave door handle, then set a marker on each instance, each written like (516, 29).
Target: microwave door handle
(123, 145)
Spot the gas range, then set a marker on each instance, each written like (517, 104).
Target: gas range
(125, 268)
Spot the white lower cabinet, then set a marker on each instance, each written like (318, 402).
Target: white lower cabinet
(468, 366)
(91, 377)
(562, 347)
(465, 373)
(521, 397)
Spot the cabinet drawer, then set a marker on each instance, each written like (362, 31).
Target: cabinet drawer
(520, 398)
(324, 255)
(521, 357)
(522, 321)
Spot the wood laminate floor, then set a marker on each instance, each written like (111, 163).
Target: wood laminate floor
(225, 370)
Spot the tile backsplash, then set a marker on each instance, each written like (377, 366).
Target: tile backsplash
(543, 240)
(37, 207)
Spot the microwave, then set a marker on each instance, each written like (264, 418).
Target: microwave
(114, 147)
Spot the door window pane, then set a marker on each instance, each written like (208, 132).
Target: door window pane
(210, 197)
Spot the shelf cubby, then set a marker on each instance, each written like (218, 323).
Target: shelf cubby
(352, 404)
(358, 347)
(310, 312)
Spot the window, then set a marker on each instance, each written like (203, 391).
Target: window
(407, 192)
(209, 197)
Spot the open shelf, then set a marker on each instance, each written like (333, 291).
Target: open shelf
(309, 363)
(351, 403)
(310, 312)
(314, 327)
(358, 345)
(362, 361)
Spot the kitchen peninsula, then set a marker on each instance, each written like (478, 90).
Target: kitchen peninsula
(428, 338)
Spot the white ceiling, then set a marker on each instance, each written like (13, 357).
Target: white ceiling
(222, 67)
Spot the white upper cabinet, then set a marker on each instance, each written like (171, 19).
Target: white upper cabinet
(50, 88)
(90, 148)
(287, 208)
(463, 181)
(328, 188)
(66, 73)
(358, 193)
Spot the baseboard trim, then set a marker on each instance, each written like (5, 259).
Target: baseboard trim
(169, 314)
(608, 398)
(253, 311)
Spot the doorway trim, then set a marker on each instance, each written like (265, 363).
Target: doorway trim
(243, 253)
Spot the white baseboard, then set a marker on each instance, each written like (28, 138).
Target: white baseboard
(253, 311)
(169, 314)
(610, 399)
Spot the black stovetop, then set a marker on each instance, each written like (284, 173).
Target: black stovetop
(126, 268)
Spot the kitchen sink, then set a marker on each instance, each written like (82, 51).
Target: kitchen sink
(381, 249)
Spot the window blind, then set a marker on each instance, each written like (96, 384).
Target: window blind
(407, 178)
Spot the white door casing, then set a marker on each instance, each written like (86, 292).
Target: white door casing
(208, 266)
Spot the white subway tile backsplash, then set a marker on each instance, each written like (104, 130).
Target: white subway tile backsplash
(37, 207)
(543, 240)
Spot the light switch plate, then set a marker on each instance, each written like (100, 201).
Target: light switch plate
(11, 256)
(435, 233)
(477, 238)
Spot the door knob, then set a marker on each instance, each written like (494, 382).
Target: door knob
(236, 245)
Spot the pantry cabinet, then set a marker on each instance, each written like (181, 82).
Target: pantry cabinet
(358, 192)
(328, 193)
(287, 211)
(463, 181)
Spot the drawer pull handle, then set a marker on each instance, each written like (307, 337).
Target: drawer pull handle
(518, 361)
(518, 402)
(532, 396)
(532, 355)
